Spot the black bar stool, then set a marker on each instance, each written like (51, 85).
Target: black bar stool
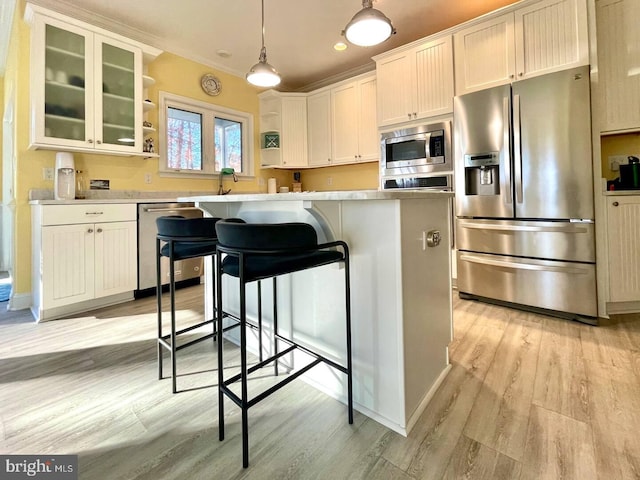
(183, 238)
(255, 252)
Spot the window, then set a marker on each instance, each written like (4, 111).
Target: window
(198, 138)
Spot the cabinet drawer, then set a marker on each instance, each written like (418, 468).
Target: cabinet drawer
(88, 213)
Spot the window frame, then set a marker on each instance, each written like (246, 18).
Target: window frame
(209, 113)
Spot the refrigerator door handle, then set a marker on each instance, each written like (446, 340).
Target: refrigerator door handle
(506, 148)
(523, 266)
(517, 148)
(560, 228)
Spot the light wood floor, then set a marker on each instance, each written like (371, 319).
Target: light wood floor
(528, 397)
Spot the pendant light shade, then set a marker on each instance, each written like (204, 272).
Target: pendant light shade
(368, 27)
(262, 74)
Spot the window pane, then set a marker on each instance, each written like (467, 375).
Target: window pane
(228, 141)
(184, 139)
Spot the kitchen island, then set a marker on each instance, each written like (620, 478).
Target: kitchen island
(400, 247)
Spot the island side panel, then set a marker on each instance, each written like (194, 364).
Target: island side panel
(426, 298)
(372, 230)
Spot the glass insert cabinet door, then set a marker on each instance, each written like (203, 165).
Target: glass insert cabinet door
(89, 93)
(119, 106)
(66, 94)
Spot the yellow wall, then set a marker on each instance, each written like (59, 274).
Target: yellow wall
(173, 74)
(626, 144)
(344, 177)
(1, 122)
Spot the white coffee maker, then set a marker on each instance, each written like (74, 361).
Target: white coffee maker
(65, 177)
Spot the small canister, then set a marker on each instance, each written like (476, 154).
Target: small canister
(630, 174)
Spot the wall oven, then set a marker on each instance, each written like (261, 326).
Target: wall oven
(417, 157)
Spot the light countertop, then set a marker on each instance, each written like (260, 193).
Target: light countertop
(321, 196)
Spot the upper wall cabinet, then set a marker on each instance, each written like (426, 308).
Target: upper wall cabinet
(618, 64)
(86, 86)
(353, 111)
(415, 83)
(539, 38)
(283, 129)
(319, 128)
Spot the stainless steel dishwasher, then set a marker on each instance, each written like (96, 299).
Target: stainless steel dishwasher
(187, 272)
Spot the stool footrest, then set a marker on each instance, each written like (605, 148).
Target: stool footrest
(274, 388)
(191, 327)
(260, 365)
(308, 351)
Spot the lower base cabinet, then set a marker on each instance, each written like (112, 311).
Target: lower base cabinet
(623, 230)
(82, 253)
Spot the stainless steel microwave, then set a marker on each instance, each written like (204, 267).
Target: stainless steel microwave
(421, 149)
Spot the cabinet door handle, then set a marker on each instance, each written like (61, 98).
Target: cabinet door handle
(615, 204)
(409, 115)
(415, 114)
(512, 76)
(520, 74)
(90, 230)
(98, 142)
(99, 230)
(89, 140)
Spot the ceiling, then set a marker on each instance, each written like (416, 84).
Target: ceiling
(299, 34)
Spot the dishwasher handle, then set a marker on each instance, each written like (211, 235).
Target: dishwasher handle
(169, 209)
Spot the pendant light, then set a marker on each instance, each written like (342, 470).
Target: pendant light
(262, 74)
(368, 27)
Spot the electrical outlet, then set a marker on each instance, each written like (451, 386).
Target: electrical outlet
(329, 181)
(147, 178)
(616, 160)
(48, 173)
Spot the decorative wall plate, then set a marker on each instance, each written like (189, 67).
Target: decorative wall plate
(211, 85)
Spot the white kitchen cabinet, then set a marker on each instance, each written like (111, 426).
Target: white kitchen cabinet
(618, 65)
(415, 83)
(319, 128)
(283, 116)
(84, 256)
(86, 86)
(623, 233)
(354, 136)
(535, 39)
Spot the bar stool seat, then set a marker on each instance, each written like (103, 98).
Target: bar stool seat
(180, 238)
(258, 251)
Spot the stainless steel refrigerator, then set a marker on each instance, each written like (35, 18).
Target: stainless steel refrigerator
(524, 194)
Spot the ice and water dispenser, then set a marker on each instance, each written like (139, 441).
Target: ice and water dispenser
(482, 174)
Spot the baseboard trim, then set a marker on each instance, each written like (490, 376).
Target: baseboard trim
(19, 301)
(80, 307)
(415, 416)
(614, 308)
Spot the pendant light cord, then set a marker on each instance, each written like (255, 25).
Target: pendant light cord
(263, 24)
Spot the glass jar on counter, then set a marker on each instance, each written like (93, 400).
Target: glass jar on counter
(81, 186)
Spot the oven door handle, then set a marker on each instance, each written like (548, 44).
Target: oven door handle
(177, 209)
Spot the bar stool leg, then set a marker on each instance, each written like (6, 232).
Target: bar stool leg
(243, 365)
(347, 279)
(260, 320)
(159, 307)
(275, 324)
(172, 292)
(218, 275)
(214, 306)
